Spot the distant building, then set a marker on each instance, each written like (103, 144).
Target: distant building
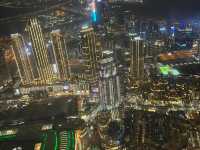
(42, 68)
(60, 55)
(22, 58)
(137, 58)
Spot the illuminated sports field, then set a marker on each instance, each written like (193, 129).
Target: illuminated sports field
(167, 70)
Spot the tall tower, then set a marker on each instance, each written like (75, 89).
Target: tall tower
(91, 54)
(60, 55)
(137, 59)
(43, 66)
(22, 59)
(109, 84)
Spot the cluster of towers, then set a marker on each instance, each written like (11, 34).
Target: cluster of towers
(102, 67)
(39, 62)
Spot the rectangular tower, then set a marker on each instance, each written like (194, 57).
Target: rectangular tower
(137, 58)
(60, 55)
(43, 66)
(22, 53)
(91, 54)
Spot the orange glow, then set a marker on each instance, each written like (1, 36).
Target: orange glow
(37, 146)
(176, 55)
(9, 56)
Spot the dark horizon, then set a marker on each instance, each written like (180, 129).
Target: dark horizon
(165, 9)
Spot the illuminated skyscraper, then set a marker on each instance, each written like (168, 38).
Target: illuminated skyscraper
(109, 84)
(60, 55)
(137, 59)
(41, 60)
(91, 53)
(22, 59)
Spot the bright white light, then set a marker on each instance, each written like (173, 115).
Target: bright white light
(127, 53)
(29, 43)
(17, 92)
(95, 90)
(194, 45)
(132, 34)
(173, 28)
(85, 26)
(162, 29)
(66, 87)
(169, 54)
(55, 68)
(137, 38)
(27, 50)
(78, 92)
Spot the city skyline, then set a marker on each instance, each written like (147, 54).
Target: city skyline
(100, 75)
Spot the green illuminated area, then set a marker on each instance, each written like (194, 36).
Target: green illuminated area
(71, 140)
(44, 141)
(7, 137)
(49, 139)
(69, 136)
(56, 141)
(167, 70)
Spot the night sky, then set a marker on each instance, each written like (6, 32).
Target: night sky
(163, 8)
(8, 26)
(170, 7)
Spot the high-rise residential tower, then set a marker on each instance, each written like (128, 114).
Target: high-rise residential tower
(60, 55)
(44, 71)
(137, 58)
(91, 54)
(22, 53)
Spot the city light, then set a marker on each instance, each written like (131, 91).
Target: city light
(175, 72)
(99, 74)
(137, 38)
(173, 30)
(85, 26)
(162, 29)
(28, 51)
(167, 70)
(55, 68)
(94, 16)
(29, 43)
(93, 11)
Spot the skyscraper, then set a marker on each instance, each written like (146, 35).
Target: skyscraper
(60, 55)
(44, 70)
(109, 84)
(22, 59)
(91, 54)
(137, 58)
